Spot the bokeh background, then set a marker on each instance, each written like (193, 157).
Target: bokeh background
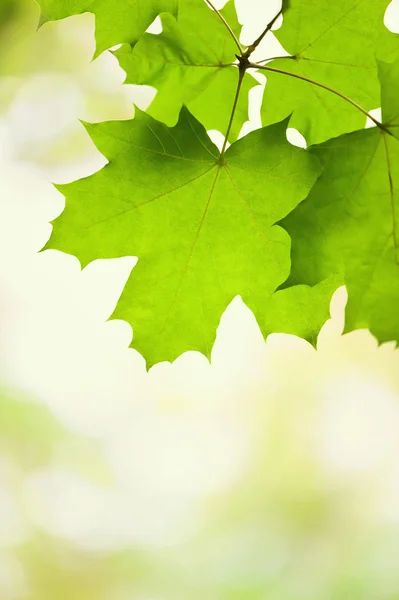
(270, 474)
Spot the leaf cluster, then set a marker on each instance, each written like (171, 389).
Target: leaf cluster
(279, 225)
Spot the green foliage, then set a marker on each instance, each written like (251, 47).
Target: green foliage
(334, 43)
(207, 225)
(203, 228)
(351, 219)
(190, 63)
(117, 21)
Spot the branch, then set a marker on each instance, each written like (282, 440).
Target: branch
(321, 85)
(221, 17)
(256, 43)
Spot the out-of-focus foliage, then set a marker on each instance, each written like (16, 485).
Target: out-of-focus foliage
(32, 437)
(43, 92)
(33, 564)
(283, 489)
(18, 19)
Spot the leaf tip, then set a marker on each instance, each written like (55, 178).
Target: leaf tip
(89, 127)
(60, 187)
(42, 20)
(86, 124)
(47, 245)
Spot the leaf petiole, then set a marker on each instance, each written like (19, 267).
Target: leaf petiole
(321, 85)
(241, 75)
(226, 24)
(264, 60)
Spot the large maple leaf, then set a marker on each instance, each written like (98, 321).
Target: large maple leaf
(191, 63)
(202, 226)
(117, 21)
(349, 224)
(336, 44)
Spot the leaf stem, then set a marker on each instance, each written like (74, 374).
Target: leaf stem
(233, 112)
(221, 17)
(321, 85)
(256, 43)
(259, 62)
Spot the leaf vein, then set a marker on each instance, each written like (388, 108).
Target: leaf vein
(137, 206)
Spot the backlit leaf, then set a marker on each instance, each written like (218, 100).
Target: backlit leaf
(188, 64)
(117, 21)
(334, 43)
(349, 224)
(203, 228)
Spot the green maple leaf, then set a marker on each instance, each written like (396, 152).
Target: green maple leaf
(300, 310)
(190, 63)
(349, 224)
(202, 226)
(334, 43)
(117, 21)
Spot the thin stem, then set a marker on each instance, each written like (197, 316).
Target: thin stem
(221, 17)
(233, 112)
(321, 85)
(210, 66)
(256, 43)
(259, 62)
